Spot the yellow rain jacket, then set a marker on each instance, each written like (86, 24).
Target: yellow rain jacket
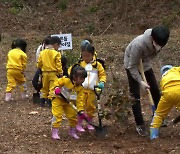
(170, 86)
(49, 62)
(170, 78)
(95, 74)
(16, 59)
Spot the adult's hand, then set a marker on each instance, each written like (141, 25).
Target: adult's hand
(144, 86)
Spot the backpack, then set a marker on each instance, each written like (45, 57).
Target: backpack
(102, 62)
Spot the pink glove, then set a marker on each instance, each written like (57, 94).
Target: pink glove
(57, 90)
(82, 115)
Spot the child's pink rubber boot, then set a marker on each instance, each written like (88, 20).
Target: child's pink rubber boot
(72, 132)
(90, 127)
(8, 97)
(55, 135)
(79, 126)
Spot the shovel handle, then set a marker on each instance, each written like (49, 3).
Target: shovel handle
(97, 91)
(144, 78)
(73, 106)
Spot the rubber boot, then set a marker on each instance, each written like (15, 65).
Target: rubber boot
(8, 97)
(72, 132)
(154, 133)
(90, 127)
(79, 125)
(48, 101)
(55, 135)
(42, 102)
(36, 97)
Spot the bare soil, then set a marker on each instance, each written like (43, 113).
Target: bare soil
(22, 132)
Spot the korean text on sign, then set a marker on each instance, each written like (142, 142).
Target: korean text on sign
(66, 41)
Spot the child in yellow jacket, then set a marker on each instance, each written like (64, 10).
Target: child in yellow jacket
(68, 90)
(170, 87)
(95, 76)
(84, 43)
(49, 62)
(16, 64)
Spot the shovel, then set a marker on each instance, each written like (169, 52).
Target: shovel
(149, 93)
(101, 130)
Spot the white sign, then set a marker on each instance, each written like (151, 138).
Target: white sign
(66, 41)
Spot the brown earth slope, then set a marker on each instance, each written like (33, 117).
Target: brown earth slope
(86, 17)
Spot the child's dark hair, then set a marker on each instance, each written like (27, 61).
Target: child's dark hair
(19, 43)
(89, 48)
(54, 39)
(46, 40)
(77, 71)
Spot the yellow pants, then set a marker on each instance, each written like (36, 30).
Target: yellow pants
(169, 98)
(89, 102)
(15, 77)
(47, 90)
(59, 106)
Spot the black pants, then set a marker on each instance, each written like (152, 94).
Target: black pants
(35, 82)
(38, 85)
(135, 93)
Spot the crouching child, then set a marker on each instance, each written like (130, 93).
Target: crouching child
(68, 89)
(170, 87)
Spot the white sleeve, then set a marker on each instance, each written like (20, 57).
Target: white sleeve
(39, 49)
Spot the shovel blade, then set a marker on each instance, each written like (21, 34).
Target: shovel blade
(100, 131)
(36, 98)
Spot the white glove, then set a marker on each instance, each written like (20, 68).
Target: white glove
(144, 86)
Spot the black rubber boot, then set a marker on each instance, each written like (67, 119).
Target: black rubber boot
(42, 102)
(36, 98)
(49, 102)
